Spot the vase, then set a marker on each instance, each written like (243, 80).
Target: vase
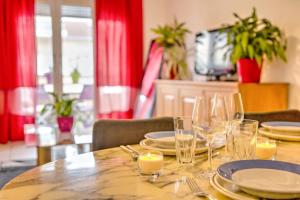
(65, 124)
(248, 70)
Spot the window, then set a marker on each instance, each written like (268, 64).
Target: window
(65, 63)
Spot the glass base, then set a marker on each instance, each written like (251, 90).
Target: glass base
(207, 174)
(152, 178)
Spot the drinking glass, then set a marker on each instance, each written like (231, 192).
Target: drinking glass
(234, 106)
(244, 138)
(209, 117)
(185, 140)
(235, 109)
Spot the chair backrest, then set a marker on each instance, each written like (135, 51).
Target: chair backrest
(113, 133)
(286, 115)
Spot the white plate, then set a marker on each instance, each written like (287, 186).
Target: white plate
(163, 138)
(263, 178)
(279, 135)
(149, 144)
(229, 189)
(282, 126)
(279, 184)
(166, 139)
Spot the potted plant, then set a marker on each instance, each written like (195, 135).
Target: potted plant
(63, 108)
(172, 39)
(252, 41)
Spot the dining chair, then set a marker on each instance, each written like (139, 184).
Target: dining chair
(285, 115)
(113, 133)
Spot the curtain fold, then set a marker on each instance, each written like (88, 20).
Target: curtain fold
(17, 68)
(119, 56)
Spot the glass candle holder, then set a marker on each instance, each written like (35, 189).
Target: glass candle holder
(150, 162)
(266, 148)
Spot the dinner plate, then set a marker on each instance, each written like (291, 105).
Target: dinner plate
(263, 178)
(149, 144)
(166, 139)
(229, 189)
(282, 126)
(279, 135)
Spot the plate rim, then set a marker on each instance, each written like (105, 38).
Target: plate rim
(171, 152)
(281, 128)
(217, 186)
(262, 161)
(146, 135)
(264, 131)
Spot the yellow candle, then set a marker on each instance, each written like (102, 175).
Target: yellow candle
(265, 150)
(150, 163)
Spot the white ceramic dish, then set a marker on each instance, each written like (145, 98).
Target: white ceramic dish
(279, 184)
(150, 145)
(279, 135)
(263, 178)
(166, 139)
(282, 126)
(230, 190)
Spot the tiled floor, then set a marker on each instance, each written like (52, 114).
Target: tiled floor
(16, 153)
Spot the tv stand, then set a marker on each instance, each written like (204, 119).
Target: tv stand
(176, 98)
(213, 78)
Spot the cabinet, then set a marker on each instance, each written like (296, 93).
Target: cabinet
(176, 98)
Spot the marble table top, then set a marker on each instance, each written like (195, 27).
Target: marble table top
(112, 174)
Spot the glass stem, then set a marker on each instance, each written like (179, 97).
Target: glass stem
(228, 139)
(210, 155)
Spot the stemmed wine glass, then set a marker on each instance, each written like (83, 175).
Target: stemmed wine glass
(209, 118)
(235, 109)
(234, 106)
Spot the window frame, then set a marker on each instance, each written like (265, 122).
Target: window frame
(55, 14)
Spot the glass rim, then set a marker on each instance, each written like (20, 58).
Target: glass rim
(182, 117)
(248, 121)
(145, 152)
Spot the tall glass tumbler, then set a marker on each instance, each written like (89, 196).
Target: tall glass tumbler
(244, 138)
(185, 140)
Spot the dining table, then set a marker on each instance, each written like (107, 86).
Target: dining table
(113, 174)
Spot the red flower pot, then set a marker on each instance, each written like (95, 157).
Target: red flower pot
(65, 124)
(248, 70)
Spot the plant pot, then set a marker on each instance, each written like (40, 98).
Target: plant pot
(65, 124)
(248, 71)
(49, 77)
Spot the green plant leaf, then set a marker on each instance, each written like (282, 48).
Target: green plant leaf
(251, 37)
(250, 51)
(244, 38)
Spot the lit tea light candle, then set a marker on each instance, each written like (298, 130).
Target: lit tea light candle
(150, 162)
(265, 149)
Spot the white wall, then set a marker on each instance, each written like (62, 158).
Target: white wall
(207, 14)
(154, 12)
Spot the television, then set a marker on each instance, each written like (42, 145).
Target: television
(211, 58)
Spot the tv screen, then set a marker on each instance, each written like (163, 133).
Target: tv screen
(210, 51)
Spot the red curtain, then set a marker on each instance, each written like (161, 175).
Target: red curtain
(17, 68)
(119, 56)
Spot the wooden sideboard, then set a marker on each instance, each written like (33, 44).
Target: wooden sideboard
(176, 98)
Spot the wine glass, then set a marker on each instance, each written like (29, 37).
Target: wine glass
(209, 118)
(235, 109)
(234, 106)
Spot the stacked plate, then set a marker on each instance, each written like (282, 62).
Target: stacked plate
(164, 141)
(253, 179)
(289, 131)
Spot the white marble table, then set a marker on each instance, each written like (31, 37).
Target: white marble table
(112, 174)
